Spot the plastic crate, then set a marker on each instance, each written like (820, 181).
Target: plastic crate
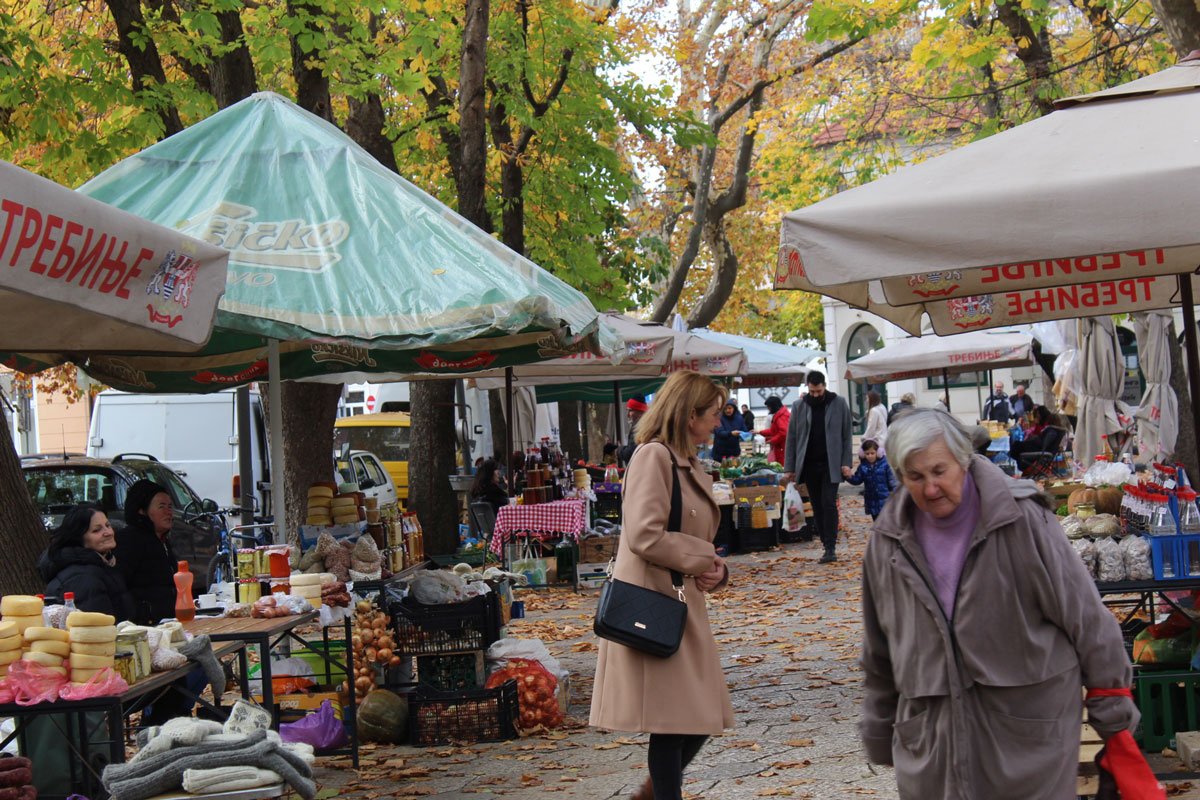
(1160, 546)
(607, 506)
(754, 539)
(453, 672)
(1187, 563)
(473, 557)
(324, 673)
(1169, 702)
(481, 715)
(448, 628)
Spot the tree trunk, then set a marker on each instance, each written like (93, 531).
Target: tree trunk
(430, 462)
(472, 110)
(723, 279)
(141, 53)
(1181, 21)
(1185, 445)
(600, 430)
(568, 427)
(499, 425)
(21, 530)
(232, 72)
(1033, 49)
(309, 411)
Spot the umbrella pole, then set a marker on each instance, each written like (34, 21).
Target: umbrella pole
(1189, 341)
(617, 410)
(508, 430)
(275, 393)
(979, 393)
(946, 386)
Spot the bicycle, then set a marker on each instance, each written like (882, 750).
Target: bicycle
(223, 566)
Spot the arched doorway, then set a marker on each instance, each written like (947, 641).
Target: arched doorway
(863, 340)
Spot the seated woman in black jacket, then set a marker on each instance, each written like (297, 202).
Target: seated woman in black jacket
(487, 485)
(80, 559)
(144, 553)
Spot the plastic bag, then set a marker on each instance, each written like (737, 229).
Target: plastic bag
(104, 683)
(1173, 651)
(536, 693)
(1110, 561)
(504, 650)
(793, 509)
(288, 676)
(434, 587)
(31, 683)
(533, 568)
(1087, 553)
(1138, 564)
(322, 729)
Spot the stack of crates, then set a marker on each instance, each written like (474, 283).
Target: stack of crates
(1169, 703)
(447, 642)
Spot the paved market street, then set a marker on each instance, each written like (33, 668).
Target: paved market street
(788, 630)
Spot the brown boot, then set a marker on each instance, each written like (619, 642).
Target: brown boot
(643, 792)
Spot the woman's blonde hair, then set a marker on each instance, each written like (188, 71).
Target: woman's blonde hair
(684, 393)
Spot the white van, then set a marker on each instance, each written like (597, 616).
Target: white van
(194, 434)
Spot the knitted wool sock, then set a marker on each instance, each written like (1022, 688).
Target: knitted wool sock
(199, 649)
(178, 732)
(227, 779)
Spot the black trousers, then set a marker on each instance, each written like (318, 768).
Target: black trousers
(822, 493)
(668, 757)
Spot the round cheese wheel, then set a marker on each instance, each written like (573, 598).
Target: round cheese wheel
(89, 619)
(94, 648)
(8, 629)
(345, 519)
(58, 670)
(45, 659)
(21, 605)
(320, 490)
(12, 643)
(107, 633)
(60, 649)
(9, 656)
(80, 661)
(319, 513)
(38, 633)
(343, 501)
(305, 579)
(320, 502)
(24, 623)
(319, 522)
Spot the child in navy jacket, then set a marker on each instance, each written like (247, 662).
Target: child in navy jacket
(873, 470)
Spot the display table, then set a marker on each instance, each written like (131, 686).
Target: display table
(541, 521)
(90, 753)
(1142, 594)
(266, 634)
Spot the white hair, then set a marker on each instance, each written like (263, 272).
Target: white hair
(920, 428)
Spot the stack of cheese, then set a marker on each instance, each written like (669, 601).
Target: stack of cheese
(93, 640)
(308, 586)
(23, 610)
(11, 642)
(345, 509)
(320, 501)
(46, 646)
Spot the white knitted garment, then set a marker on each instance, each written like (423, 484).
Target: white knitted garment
(227, 779)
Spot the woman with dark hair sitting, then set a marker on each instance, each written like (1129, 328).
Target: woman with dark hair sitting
(1034, 442)
(488, 485)
(80, 559)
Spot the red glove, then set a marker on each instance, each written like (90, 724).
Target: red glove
(1123, 759)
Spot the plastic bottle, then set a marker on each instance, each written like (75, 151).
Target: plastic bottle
(1189, 514)
(185, 607)
(69, 605)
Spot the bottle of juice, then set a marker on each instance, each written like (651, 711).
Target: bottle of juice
(185, 606)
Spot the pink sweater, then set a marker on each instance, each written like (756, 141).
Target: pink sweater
(945, 542)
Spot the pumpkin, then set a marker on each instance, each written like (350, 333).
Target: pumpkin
(1106, 499)
(1081, 497)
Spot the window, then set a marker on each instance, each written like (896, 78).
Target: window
(388, 442)
(863, 341)
(64, 487)
(970, 379)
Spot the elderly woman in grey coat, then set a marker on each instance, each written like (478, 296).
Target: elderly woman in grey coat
(981, 627)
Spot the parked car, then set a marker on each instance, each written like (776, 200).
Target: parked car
(58, 481)
(367, 471)
(386, 435)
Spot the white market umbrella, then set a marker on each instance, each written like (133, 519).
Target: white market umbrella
(767, 363)
(1102, 373)
(928, 356)
(1158, 412)
(83, 276)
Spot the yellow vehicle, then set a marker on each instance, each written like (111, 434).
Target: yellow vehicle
(386, 435)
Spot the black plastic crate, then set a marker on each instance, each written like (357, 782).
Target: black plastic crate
(447, 628)
(607, 506)
(481, 715)
(453, 672)
(754, 539)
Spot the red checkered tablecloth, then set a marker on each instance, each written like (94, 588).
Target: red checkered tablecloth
(541, 521)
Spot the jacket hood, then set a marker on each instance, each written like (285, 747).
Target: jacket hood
(50, 565)
(998, 492)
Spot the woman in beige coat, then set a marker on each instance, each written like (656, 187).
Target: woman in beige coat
(981, 627)
(683, 699)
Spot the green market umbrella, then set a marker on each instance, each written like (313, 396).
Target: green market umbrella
(349, 266)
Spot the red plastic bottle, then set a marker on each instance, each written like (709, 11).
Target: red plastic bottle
(185, 606)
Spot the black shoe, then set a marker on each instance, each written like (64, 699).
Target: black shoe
(828, 558)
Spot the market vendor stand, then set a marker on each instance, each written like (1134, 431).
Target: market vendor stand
(539, 522)
(84, 776)
(267, 634)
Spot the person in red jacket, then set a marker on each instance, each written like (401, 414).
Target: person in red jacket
(776, 432)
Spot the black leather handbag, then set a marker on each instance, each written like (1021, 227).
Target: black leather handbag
(642, 618)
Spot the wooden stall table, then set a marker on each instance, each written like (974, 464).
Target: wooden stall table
(84, 775)
(1139, 595)
(267, 634)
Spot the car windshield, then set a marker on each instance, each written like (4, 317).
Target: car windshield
(389, 442)
(56, 489)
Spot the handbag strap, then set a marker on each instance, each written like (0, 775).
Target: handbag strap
(675, 518)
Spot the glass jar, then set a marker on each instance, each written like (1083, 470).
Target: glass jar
(1085, 510)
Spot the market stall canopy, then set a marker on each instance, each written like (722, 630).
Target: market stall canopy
(686, 351)
(767, 363)
(84, 275)
(930, 356)
(1085, 211)
(348, 265)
